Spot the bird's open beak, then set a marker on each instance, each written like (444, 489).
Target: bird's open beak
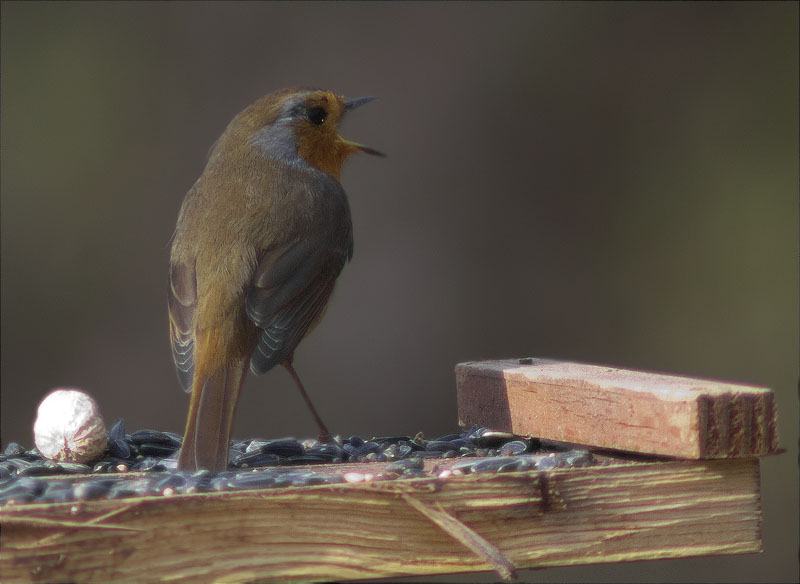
(350, 105)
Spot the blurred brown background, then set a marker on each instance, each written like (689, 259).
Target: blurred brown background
(608, 183)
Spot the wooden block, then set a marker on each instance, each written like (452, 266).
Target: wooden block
(621, 511)
(617, 408)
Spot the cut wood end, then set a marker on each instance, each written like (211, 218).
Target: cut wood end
(621, 409)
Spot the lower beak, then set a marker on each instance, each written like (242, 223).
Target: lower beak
(355, 146)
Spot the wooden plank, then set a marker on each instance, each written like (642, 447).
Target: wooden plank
(620, 409)
(613, 513)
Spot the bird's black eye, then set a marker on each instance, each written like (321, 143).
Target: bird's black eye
(317, 115)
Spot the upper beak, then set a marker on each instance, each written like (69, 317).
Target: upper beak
(350, 105)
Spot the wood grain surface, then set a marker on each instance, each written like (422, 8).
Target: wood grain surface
(620, 409)
(618, 512)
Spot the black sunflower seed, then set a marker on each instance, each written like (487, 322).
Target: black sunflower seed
(283, 447)
(547, 462)
(117, 431)
(73, 468)
(155, 437)
(429, 453)
(488, 438)
(305, 459)
(14, 449)
(120, 448)
(309, 480)
(513, 448)
(326, 451)
(365, 449)
(256, 459)
(173, 480)
(157, 450)
(38, 469)
(58, 492)
(391, 439)
(355, 441)
(251, 480)
(17, 464)
(148, 463)
(406, 464)
(91, 490)
(440, 445)
(580, 458)
(255, 446)
(104, 466)
(32, 485)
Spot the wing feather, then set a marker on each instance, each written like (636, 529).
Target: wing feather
(182, 303)
(287, 298)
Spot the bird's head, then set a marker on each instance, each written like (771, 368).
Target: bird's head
(300, 124)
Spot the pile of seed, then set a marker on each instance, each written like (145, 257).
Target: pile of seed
(26, 477)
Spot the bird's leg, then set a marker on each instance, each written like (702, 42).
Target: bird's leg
(324, 435)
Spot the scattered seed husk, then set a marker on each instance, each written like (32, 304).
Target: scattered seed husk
(25, 476)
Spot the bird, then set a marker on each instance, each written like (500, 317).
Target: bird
(260, 239)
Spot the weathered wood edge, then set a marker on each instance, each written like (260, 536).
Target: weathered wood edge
(620, 512)
(609, 407)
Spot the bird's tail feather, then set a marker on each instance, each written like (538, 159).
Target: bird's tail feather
(208, 427)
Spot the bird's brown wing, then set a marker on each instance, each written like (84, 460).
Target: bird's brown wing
(182, 302)
(289, 291)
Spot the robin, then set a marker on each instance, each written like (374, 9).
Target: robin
(260, 240)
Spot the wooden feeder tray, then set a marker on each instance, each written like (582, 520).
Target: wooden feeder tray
(700, 496)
